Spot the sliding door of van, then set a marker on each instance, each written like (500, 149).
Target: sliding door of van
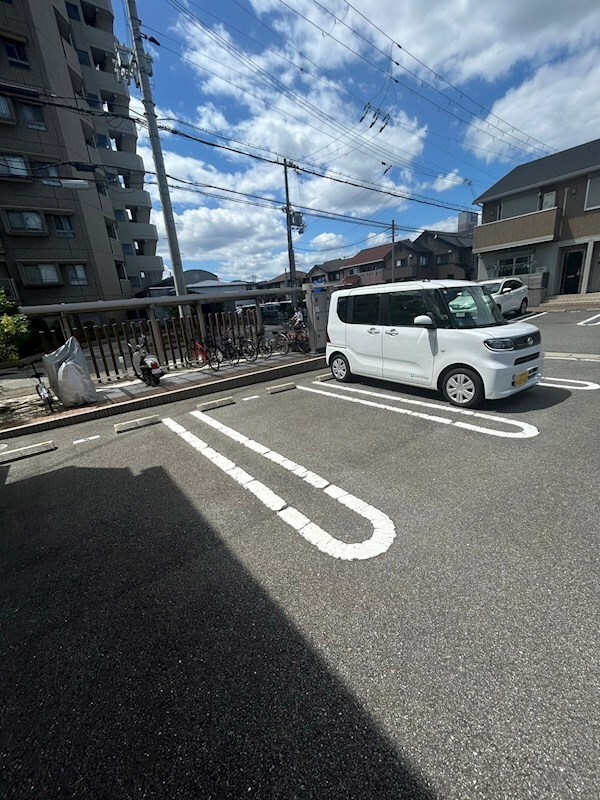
(363, 335)
(408, 349)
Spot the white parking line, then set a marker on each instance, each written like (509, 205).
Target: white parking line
(87, 439)
(564, 384)
(533, 316)
(572, 358)
(589, 321)
(384, 531)
(526, 430)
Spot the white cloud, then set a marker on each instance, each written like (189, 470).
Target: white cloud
(445, 182)
(559, 105)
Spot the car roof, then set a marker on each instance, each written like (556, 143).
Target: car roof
(404, 286)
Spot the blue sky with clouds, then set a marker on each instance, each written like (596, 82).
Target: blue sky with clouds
(429, 104)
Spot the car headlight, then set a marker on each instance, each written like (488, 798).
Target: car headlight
(499, 344)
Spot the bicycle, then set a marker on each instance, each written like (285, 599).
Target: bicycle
(264, 345)
(42, 390)
(230, 352)
(244, 347)
(298, 339)
(199, 355)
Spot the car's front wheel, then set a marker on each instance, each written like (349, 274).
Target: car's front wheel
(340, 368)
(462, 387)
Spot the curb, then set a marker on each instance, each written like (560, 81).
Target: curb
(170, 396)
(25, 452)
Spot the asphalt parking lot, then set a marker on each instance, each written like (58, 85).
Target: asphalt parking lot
(331, 591)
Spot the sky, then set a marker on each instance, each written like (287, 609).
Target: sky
(386, 112)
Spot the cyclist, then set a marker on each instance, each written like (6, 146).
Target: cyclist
(297, 321)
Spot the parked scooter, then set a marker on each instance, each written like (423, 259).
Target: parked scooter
(145, 364)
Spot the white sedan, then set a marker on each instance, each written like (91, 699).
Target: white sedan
(511, 295)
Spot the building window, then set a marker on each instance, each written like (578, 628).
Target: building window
(13, 165)
(73, 12)
(47, 173)
(401, 262)
(120, 215)
(25, 222)
(63, 226)
(33, 116)
(16, 54)
(92, 100)
(549, 200)
(442, 258)
(592, 195)
(127, 250)
(84, 58)
(40, 274)
(76, 275)
(423, 260)
(6, 109)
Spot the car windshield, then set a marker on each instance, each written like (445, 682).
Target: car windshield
(493, 288)
(472, 307)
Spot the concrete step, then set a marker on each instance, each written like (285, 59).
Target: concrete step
(590, 300)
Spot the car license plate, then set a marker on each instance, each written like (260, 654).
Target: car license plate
(522, 378)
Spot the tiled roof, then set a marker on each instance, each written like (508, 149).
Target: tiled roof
(368, 256)
(575, 160)
(455, 239)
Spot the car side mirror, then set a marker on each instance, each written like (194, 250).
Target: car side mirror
(424, 320)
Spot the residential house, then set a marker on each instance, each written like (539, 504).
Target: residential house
(542, 221)
(451, 255)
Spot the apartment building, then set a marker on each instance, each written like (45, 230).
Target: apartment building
(542, 221)
(74, 216)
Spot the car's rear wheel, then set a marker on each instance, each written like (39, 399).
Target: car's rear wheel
(523, 307)
(340, 368)
(462, 387)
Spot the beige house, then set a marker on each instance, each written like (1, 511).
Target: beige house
(542, 221)
(64, 115)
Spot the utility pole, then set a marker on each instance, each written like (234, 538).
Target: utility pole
(144, 72)
(288, 221)
(393, 253)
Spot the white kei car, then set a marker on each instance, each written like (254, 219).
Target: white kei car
(511, 295)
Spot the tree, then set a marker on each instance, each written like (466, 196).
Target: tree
(14, 329)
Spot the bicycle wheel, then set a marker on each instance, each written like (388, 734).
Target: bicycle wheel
(45, 396)
(282, 345)
(190, 360)
(230, 354)
(213, 358)
(248, 350)
(265, 348)
(302, 343)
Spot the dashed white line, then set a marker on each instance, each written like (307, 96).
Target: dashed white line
(87, 439)
(384, 531)
(526, 431)
(251, 397)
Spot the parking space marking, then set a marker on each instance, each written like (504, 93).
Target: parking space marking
(533, 316)
(572, 358)
(384, 531)
(526, 431)
(570, 383)
(590, 321)
(87, 439)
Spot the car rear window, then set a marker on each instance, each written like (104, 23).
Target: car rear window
(342, 309)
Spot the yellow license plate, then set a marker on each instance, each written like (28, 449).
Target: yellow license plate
(521, 379)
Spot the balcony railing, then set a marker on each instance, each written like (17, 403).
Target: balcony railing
(540, 226)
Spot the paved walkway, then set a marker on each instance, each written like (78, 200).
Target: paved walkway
(21, 411)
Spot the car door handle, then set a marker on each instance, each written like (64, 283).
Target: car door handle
(373, 331)
(393, 332)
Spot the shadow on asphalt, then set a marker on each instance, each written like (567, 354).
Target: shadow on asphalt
(534, 399)
(143, 660)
